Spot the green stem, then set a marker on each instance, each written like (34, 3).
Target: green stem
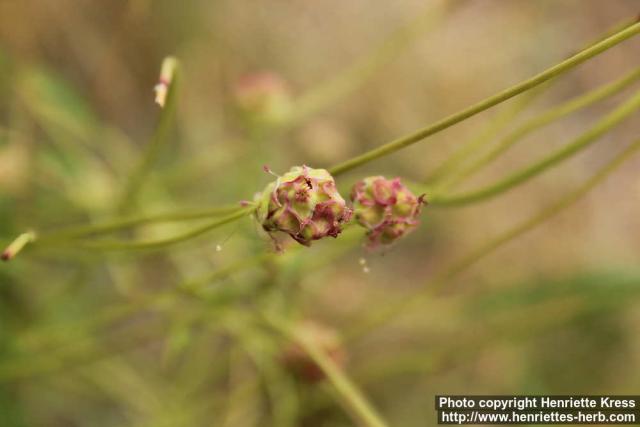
(125, 223)
(544, 119)
(541, 217)
(356, 75)
(451, 120)
(487, 249)
(194, 286)
(354, 401)
(439, 178)
(279, 386)
(442, 178)
(81, 353)
(170, 75)
(155, 244)
(604, 125)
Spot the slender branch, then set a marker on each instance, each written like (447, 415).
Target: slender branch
(354, 401)
(439, 178)
(583, 141)
(443, 172)
(488, 248)
(169, 82)
(327, 93)
(125, 223)
(81, 353)
(547, 213)
(194, 286)
(155, 244)
(541, 120)
(451, 120)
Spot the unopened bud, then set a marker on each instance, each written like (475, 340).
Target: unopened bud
(17, 245)
(165, 80)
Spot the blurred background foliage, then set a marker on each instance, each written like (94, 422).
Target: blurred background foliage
(175, 336)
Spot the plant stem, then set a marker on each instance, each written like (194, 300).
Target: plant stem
(194, 286)
(125, 223)
(547, 213)
(541, 120)
(329, 92)
(441, 175)
(170, 76)
(353, 399)
(79, 354)
(155, 244)
(587, 138)
(474, 109)
(487, 249)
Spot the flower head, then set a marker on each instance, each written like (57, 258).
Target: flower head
(296, 359)
(263, 99)
(386, 208)
(305, 204)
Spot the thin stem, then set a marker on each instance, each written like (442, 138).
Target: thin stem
(451, 120)
(194, 286)
(490, 247)
(155, 244)
(126, 223)
(81, 353)
(329, 92)
(440, 176)
(169, 80)
(541, 120)
(583, 141)
(458, 158)
(447, 174)
(354, 401)
(547, 213)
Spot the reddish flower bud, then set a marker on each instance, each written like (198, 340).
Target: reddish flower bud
(386, 208)
(303, 203)
(263, 99)
(300, 363)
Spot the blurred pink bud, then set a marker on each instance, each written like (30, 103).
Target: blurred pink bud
(263, 98)
(296, 360)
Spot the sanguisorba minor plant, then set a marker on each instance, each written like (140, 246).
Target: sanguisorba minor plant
(304, 204)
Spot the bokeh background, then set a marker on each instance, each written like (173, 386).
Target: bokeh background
(91, 338)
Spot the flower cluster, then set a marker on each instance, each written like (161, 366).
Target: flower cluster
(305, 204)
(386, 208)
